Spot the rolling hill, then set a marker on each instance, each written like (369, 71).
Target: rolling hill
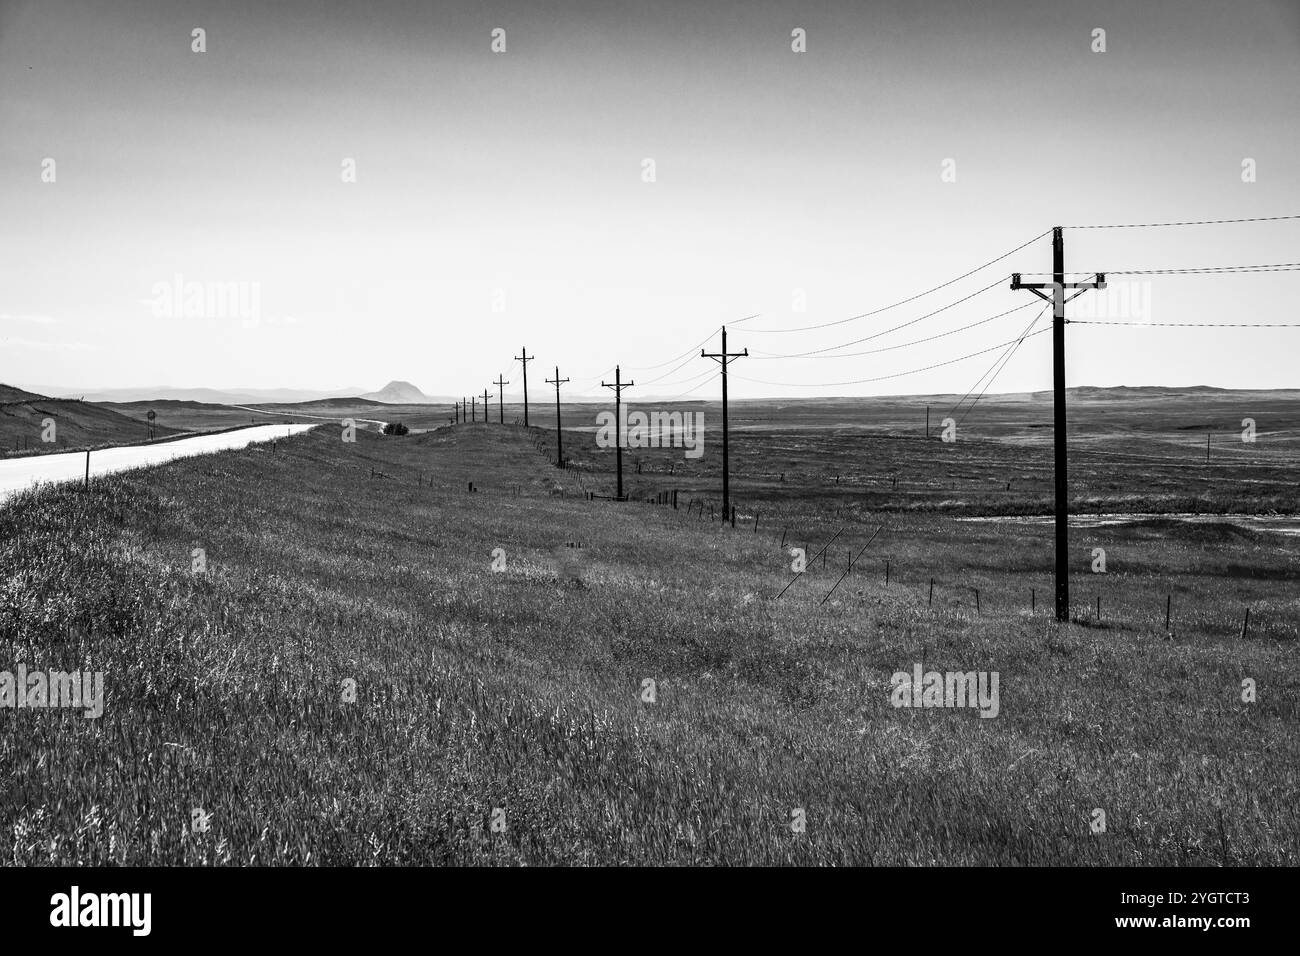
(76, 424)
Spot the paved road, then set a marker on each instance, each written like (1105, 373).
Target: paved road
(324, 418)
(19, 473)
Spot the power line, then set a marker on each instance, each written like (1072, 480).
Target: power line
(768, 356)
(920, 318)
(1003, 359)
(912, 298)
(692, 378)
(690, 391)
(1262, 267)
(1193, 325)
(1190, 222)
(685, 362)
(690, 351)
(1213, 270)
(882, 378)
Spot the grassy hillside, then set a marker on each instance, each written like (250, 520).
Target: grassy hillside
(516, 698)
(77, 424)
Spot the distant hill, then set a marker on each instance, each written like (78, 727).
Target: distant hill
(77, 424)
(398, 393)
(211, 396)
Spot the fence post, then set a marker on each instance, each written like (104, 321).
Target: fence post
(886, 572)
(1245, 624)
(1169, 601)
(931, 604)
(1033, 601)
(87, 485)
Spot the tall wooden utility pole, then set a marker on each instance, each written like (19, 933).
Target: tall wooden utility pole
(457, 407)
(618, 385)
(473, 408)
(559, 430)
(486, 406)
(525, 358)
(501, 408)
(1058, 285)
(723, 358)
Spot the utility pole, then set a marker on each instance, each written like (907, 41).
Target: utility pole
(473, 409)
(618, 386)
(525, 359)
(501, 408)
(486, 406)
(457, 407)
(559, 431)
(927, 421)
(723, 358)
(1058, 285)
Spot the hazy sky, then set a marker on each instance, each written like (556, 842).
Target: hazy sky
(500, 198)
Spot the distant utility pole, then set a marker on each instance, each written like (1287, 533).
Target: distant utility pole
(1058, 285)
(486, 406)
(927, 421)
(525, 358)
(457, 407)
(473, 409)
(618, 385)
(559, 431)
(723, 358)
(501, 408)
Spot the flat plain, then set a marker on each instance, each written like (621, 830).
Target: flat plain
(349, 680)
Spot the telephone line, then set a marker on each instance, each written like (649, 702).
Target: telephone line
(882, 378)
(1190, 222)
(1005, 360)
(1193, 325)
(768, 356)
(913, 298)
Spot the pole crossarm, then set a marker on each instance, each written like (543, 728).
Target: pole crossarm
(1098, 282)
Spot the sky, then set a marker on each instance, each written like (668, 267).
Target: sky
(504, 200)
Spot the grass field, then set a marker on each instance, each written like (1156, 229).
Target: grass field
(503, 717)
